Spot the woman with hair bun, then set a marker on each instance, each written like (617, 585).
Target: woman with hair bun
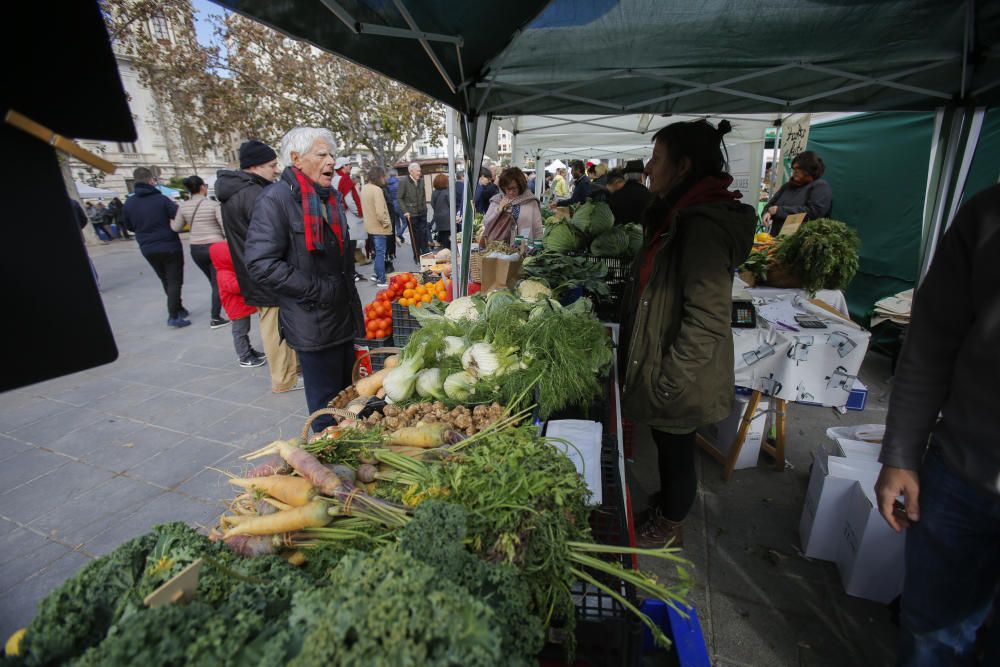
(805, 192)
(676, 348)
(204, 218)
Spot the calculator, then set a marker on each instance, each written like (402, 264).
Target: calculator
(809, 322)
(744, 315)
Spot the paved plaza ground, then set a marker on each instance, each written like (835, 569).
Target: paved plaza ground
(90, 460)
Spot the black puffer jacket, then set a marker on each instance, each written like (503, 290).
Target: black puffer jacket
(318, 301)
(237, 191)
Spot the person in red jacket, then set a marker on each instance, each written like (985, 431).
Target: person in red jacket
(237, 309)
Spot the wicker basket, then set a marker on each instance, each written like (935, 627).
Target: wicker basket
(780, 275)
(475, 267)
(377, 352)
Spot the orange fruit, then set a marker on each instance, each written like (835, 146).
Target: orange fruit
(426, 298)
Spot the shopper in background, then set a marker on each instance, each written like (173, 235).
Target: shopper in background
(344, 184)
(150, 213)
(581, 185)
(513, 213)
(392, 189)
(441, 204)
(237, 309)
(378, 220)
(412, 200)
(628, 197)
(299, 246)
(237, 190)
(203, 216)
(941, 450)
(676, 357)
(116, 212)
(560, 189)
(805, 192)
(486, 189)
(96, 216)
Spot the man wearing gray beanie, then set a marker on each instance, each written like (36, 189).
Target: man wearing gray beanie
(237, 191)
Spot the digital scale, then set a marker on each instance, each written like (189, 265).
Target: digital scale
(744, 315)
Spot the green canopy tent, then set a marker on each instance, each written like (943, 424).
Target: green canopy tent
(670, 57)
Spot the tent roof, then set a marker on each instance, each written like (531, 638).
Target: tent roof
(90, 192)
(663, 56)
(629, 136)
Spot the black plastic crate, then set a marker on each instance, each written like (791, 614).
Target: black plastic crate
(375, 362)
(606, 634)
(403, 324)
(619, 274)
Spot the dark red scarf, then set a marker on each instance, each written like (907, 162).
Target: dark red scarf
(312, 215)
(707, 190)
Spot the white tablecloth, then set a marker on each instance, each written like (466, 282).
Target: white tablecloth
(808, 365)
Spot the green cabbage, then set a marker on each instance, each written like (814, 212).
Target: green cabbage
(581, 218)
(601, 219)
(634, 238)
(614, 243)
(561, 238)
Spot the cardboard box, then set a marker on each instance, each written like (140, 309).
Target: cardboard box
(722, 434)
(869, 552)
(857, 449)
(825, 505)
(858, 397)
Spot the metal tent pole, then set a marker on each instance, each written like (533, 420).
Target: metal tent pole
(449, 115)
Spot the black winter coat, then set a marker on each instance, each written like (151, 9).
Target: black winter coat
(318, 301)
(442, 210)
(237, 191)
(629, 202)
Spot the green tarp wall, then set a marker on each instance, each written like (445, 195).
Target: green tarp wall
(877, 167)
(985, 169)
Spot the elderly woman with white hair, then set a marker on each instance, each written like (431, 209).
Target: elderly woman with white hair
(298, 245)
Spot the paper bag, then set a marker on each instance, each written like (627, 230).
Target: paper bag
(500, 273)
(792, 224)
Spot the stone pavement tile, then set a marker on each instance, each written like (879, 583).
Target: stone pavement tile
(870, 626)
(18, 605)
(139, 369)
(88, 390)
(181, 462)
(208, 385)
(107, 431)
(161, 405)
(139, 447)
(94, 511)
(199, 414)
(250, 426)
(18, 543)
(212, 486)
(46, 431)
(164, 508)
(223, 358)
(6, 528)
(26, 466)
(10, 447)
(27, 564)
(129, 396)
(245, 391)
(292, 402)
(19, 411)
(48, 492)
(754, 634)
(761, 576)
(180, 374)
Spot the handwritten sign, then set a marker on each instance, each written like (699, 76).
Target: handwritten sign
(794, 139)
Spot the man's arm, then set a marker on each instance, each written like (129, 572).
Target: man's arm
(941, 317)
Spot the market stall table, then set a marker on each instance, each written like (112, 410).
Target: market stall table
(784, 359)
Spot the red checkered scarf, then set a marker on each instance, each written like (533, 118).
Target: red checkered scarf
(312, 216)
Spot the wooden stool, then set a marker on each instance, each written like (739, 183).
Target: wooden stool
(777, 450)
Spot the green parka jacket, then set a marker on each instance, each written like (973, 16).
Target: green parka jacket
(676, 348)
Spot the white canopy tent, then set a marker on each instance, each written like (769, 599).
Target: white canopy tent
(90, 192)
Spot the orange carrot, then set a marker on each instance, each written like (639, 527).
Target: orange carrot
(313, 515)
(295, 491)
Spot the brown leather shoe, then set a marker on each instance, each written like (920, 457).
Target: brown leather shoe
(657, 531)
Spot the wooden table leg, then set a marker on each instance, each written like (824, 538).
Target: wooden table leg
(741, 435)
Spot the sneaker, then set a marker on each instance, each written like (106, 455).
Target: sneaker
(252, 361)
(382, 284)
(218, 323)
(374, 279)
(401, 240)
(177, 322)
(257, 354)
(183, 312)
(357, 277)
(298, 385)
(657, 531)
